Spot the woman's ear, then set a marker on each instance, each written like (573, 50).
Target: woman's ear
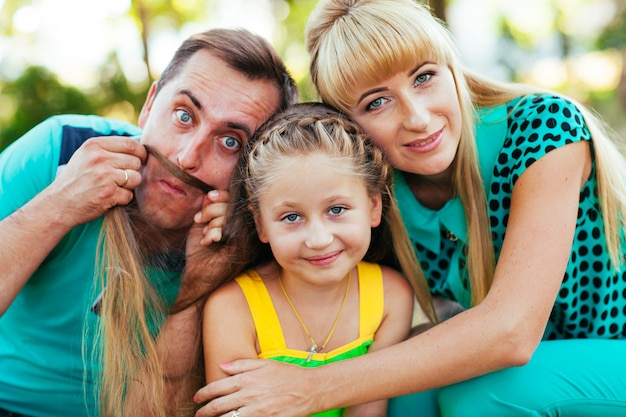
(376, 210)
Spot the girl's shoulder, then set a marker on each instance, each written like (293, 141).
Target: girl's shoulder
(394, 281)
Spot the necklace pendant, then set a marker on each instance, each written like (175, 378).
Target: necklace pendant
(311, 352)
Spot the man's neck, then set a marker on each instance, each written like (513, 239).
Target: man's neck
(154, 240)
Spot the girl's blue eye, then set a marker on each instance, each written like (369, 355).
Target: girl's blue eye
(183, 115)
(291, 217)
(336, 210)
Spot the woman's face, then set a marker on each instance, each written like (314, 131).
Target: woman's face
(414, 116)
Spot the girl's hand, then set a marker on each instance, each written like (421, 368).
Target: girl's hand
(259, 388)
(212, 215)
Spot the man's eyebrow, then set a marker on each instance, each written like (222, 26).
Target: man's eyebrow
(191, 97)
(231, 125)
(240, 126)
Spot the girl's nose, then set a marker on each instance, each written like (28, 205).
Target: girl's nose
(319, 236)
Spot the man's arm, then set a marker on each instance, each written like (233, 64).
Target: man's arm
(88, 186)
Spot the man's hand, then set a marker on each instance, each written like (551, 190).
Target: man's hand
(101, 174)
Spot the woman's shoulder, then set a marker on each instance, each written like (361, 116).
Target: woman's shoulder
(547, 106)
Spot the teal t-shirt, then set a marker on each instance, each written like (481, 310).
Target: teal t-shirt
(42, 369)
(510, 138)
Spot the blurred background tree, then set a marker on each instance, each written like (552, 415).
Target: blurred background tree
(577, 47)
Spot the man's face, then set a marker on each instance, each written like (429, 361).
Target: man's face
(200, 120)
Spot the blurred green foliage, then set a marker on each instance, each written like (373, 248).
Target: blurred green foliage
(38, 93)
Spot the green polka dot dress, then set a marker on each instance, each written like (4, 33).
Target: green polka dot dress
(591, 302)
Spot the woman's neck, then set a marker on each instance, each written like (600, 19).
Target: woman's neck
(432, 191)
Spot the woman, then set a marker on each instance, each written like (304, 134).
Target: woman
(514, 199)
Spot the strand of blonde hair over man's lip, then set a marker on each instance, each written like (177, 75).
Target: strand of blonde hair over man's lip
(178, 172)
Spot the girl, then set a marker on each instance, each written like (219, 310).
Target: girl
(318, 194)
(514, 200)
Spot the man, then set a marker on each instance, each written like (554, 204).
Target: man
(60, 180)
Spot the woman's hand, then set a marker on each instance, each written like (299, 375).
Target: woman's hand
(260, 388)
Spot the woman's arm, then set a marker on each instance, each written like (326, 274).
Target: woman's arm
(500, 332)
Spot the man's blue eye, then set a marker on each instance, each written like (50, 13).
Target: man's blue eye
(231, 142)
(183, 116)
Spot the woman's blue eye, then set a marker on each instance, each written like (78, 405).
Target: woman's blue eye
(376, 103)
(422, 78)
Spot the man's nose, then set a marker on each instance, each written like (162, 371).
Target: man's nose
(190, 155)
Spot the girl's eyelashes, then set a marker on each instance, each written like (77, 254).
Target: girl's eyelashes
(336, 210)
(290, 218)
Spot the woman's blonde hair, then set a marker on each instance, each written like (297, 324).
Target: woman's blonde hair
(354, 42)
(315, 128)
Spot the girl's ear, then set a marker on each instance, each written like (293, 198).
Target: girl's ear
(259, 226)
(376, 210)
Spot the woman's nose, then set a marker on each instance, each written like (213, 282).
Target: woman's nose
(416, 115)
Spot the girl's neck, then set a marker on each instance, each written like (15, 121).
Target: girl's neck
(432, 191)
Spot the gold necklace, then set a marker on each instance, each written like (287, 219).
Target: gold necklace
(314, 348)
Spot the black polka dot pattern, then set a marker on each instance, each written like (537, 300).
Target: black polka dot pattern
(591, 302)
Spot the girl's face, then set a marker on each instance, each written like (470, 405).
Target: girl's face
(317, 218)
(413, 116)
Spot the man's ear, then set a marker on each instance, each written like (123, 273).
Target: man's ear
(376, 210)
(147, 106)
(259, 227)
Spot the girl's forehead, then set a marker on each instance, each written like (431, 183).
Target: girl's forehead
(311, 165)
